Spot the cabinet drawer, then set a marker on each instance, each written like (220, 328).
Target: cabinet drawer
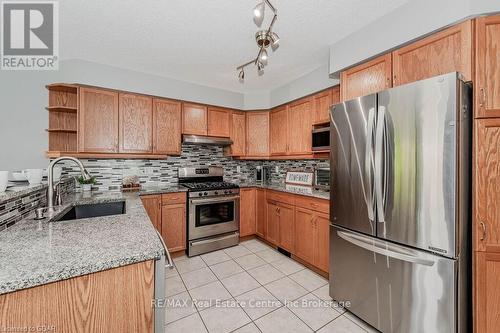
(319, 205)
(173, 198)
(281, 197)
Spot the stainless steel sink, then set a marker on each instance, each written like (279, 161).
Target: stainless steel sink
(94, 210)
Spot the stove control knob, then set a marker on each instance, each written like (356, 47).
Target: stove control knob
(205, 193)
(216, 192)
(200, 194)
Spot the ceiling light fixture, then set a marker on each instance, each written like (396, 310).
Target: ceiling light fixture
(264, 39)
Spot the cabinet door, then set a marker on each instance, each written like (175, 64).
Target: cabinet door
(300, 127)
(322, 242)
(173, 226)
(278, 131)
(304, 234)
(487, 184)
(167, 123)
(286, 227)
(257, 133)
(487, 293)
(261, 213)
(219, 122)
(238, 134)
(247, 211)
(152, 204)
(447, 51)
(194, 119)
(368, 78)
(136, 124)
(272, 226)
(487, 85)
(322, 103)
(98, 121)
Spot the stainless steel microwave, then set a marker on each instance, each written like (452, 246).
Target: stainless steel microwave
(321, 139)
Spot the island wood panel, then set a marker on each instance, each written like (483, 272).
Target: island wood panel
(98, 121)
(304, 234)
(487, 83)
(173, 226)
(152, 205)
(167, 127)
(367, 78)
(286, 229)
(487, 292)
(237, 134)
(261, 213)
(247, 211)
(487, 185)
(194, 119)
(219, 120)
(446, 51)
(257, 133)
(278, 131)
(114, 300)
(300, 127)
(136, 124)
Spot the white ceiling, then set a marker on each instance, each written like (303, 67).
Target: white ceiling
(203, 41)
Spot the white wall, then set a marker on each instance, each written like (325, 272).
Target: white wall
(408, 22)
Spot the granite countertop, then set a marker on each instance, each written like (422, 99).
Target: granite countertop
(162, 188)
(33, 252)
(294, 189)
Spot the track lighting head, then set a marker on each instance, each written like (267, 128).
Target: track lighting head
(275, 39)
(258, 13)
(260, 68)
(241, 75)
(263, 57)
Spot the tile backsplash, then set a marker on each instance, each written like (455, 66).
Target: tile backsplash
(110, 172)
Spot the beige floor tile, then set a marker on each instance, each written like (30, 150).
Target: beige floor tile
(208, 295)
(237, 251)
(174, 285)
(226, 268)
(198, 278)
(308, 279)
(359, 322)
(255, 245)
(341, 325)
(265, 274)
(190, 264)
(249, 328)
(224, 318)
(258, 302)
(249, 261)
(171, 272)
(240, 283)
(216, 257)
(323, 293)
(285, 289)
(178, 307)
(281, 320)
(313, 311)
(191, 324)
(287, 266)
(270, 255)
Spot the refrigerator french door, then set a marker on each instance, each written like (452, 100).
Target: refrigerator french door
(400, 193)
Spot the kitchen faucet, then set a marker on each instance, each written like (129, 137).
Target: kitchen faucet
(50, 177)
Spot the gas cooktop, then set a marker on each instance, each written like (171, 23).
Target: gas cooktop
(203, 186)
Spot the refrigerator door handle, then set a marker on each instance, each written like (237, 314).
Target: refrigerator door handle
(380, 164)
(383, 248)
(369, 164)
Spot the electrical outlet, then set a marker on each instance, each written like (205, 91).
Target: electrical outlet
(238, 169)
(276, 169)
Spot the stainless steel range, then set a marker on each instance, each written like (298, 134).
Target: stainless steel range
(213, 210)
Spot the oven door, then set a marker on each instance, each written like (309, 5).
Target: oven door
(213, 216)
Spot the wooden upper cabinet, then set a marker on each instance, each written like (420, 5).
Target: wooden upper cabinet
(278, 131)
(487, 292)
(368, 78)
(136, 123)
(257, 133)
(447, 51)
(194, 120)
(487, 84)
(237, 134)
(487, 185)
(300, 127)
(167, 123)
(322, 103)
(98, 121)
(219, 121)
(247, 211)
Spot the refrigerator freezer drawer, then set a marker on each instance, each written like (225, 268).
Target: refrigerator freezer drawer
(393, 288)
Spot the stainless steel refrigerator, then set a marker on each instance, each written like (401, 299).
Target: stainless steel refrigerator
(400, 206)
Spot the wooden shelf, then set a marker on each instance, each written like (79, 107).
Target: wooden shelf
(55, 154)
(63, 87)
(60, 130)
(65, 109)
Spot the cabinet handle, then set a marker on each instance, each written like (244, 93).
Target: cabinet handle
(483, 226)
(482, 101)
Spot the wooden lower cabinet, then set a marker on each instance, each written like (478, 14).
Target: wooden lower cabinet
(286, 227)
(114, 300)
(260, 213)
(272, 225)
(247, 211)
(487, 292)
(168, 215)
(322, 258)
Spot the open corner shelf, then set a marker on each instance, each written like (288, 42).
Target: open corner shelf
(60, 130)
(65, 109)
(62, 87)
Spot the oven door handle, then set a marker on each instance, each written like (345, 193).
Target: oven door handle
(213, 200)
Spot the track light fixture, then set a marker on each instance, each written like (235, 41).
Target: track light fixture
(264, 39)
